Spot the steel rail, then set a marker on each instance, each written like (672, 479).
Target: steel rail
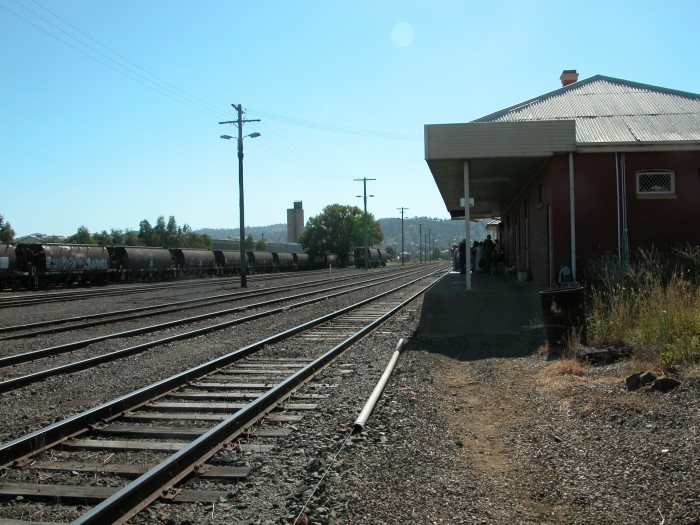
(126, 502)
(176, 305)
(74, 295)
(25, 357)
(84, 364)
(50, 435)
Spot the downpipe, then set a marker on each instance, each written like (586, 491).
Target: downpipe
(361, 420)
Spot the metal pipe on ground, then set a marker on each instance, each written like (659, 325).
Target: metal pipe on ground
(361, 420)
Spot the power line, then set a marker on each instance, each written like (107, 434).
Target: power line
(336, 128)
(118, 68)
(122, 57)
(127, 68)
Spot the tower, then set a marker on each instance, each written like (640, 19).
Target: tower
(295, 222)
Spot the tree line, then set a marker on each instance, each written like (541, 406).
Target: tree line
(338, 229)
(163, 234)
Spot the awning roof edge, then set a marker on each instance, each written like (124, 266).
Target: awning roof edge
(480, 140)
(502, 157)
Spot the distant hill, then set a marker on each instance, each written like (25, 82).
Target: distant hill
(272, 233)
(445, 232)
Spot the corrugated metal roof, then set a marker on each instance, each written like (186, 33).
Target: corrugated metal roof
(609, 110)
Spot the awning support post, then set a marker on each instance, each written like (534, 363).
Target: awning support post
(467, 229)
(573, 216)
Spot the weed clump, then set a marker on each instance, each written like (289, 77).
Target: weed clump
(650, 305)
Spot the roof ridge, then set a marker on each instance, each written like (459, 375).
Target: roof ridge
(577, 85)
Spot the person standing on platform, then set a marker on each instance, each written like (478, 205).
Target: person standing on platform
(487, 253)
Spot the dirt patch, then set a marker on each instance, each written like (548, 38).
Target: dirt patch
(480, 411)
(553, 437)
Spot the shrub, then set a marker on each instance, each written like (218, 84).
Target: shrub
(651, 305)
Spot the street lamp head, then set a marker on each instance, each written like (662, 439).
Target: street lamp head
(252, 136)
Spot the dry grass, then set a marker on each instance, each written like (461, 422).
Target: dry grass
(651, 307)
(567, 367)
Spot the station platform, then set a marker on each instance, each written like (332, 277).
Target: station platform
(500, 316)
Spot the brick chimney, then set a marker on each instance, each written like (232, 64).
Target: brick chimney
(568, 76)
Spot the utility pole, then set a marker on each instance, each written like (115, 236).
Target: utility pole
(364, 186)
(402, 251)
(428, 248)
(239, 122)
(420, 242)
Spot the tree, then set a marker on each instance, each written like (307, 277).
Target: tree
(261, 245)
(188, 239)
(6, 231)
(82, 236)
(103, 238)
(337, 229)
(131, 239)
(160, 232)
(172, 234)
(147, 235)
(249, 243)
(117, 237)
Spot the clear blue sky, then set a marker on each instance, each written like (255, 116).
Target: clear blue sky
(110, 109)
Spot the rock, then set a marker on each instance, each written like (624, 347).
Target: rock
(646, 378)
(639, 380)
(314, 465)
(665, 384)
(632, 382)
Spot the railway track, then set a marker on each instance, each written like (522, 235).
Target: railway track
(195, 427)
(34, 298)
(15, 377)
(81, 322)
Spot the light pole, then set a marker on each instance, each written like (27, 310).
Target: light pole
(239, 122)
(402, 250)
(364, 185)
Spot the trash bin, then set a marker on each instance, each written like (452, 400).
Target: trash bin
(563, 310)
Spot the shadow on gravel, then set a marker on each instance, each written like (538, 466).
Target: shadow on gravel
(499, 317)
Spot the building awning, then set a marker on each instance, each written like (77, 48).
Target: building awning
(503, 157)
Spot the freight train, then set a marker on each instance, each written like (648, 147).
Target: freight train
(376, 257)
(42, 265)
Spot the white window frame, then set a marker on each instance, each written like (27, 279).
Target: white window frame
(658, 194)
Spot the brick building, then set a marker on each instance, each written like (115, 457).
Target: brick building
(601, 165)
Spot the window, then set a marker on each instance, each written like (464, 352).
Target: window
(653, 183)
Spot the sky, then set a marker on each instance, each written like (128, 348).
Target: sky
(110, 110)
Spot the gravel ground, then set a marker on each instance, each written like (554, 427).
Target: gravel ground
(486, 439)
(497, 440)
(55, 398)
